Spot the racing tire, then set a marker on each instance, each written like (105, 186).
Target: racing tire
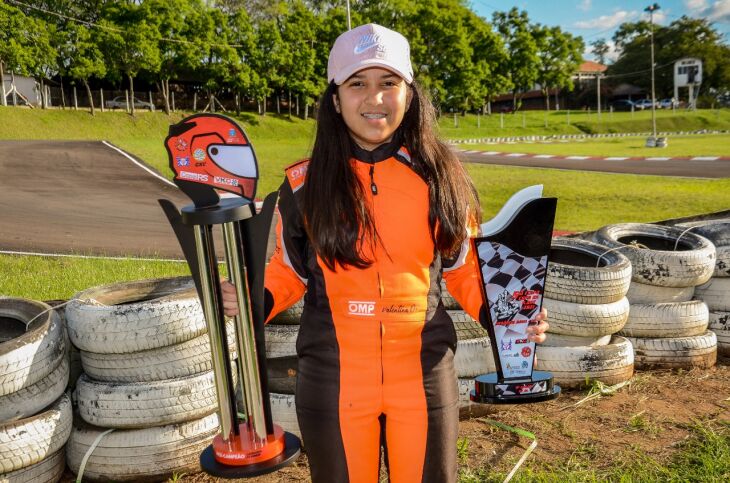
(675, 352)
(135, 316)
(30, 400)
(692, 263)
(586, 320)
(473, 355)
(170, 362)
(722, 264)
(27, 441)
(715, 293)
(148, 454)
(673, 319)
(720, 325)
(574, 366)
(49, 470)
(30, 356)
(141, 404)
(573, 274)
(642, 293)
(281, 340)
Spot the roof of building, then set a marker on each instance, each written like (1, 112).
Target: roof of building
(590, 66)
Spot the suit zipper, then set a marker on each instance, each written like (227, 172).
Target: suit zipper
(373, 186)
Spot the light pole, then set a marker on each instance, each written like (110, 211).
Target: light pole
(651, 9)
(349, 23)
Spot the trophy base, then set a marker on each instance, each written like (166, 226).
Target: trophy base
(291, 449)
(490, 390)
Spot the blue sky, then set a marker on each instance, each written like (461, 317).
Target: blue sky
(594, 19)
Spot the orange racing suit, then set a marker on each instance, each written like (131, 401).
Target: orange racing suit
(375, 345)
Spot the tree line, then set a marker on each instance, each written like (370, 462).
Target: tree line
(256, 48)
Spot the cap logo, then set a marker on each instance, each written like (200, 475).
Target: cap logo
(366, 42)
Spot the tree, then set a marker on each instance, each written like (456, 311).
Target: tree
(522, 61)
(298, 33)
(560, 55)
(81, 57)
(600, 50)
(130, 41)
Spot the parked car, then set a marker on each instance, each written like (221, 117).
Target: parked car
(667, 104)
(643, 104)
(622, 105)
(121, 102)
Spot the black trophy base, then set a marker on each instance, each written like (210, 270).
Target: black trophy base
(292, 448)
(489, 389)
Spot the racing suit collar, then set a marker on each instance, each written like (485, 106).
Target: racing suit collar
(381, 153)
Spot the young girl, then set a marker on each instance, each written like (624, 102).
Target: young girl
(368, 226)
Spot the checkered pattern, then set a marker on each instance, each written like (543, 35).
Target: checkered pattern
(505, 270)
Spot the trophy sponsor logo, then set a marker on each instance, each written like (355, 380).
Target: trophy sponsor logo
(194, 176)
(199, 155)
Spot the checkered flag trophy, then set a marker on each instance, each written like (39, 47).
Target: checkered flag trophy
(513, 255)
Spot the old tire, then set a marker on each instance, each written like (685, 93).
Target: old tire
(28, 356)
(673, 319)
(571, 366)
(281, 340)
(135, 316)
(282, 374)
(675, 352)
(586, 320)
(561, 340)
(720, 325)
(49, 470)
(28, 401)
(290, 316)
(573, 276)
(447, 299)
(177, 360)
(149, 454)
(691, 264)
(30, 440)
(141, 404)
(642, 293)
(715, 293)
(284, 412)
(473, 355)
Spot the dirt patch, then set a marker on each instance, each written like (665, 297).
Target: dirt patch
(652, 415)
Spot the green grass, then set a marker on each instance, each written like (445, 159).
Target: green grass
(46, 278)
(679, 146)
(589, 200)
(579, 122)
(705, 456)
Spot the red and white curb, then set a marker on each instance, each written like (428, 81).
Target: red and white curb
(557, 157)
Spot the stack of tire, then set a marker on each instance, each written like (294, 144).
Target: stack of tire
(716, 292)
(585, 296)
(666, 327)
(146, 402)
(35, 411)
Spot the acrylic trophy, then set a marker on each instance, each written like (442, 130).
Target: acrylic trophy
(513, 255)
(210, 153)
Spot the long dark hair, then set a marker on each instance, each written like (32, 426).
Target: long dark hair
(337, 218)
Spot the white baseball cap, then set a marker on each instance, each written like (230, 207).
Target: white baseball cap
(369, 45)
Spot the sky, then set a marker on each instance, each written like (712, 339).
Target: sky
(595, 19)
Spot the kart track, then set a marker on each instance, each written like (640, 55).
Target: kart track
(82, 197)
(85, 197)
(699, 167)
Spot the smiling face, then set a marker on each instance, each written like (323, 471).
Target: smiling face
(372, 103)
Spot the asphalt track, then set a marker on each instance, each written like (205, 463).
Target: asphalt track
(662, 167)
(82, 198)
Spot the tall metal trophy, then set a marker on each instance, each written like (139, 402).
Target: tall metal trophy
(209, 153)
(513, 255)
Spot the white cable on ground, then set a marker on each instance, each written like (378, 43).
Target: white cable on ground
(88, 454)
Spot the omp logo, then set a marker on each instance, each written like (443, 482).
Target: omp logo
(298, 172)
(366, 309)
(366, 42)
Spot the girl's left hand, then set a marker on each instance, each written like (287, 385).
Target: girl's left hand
(536, 333)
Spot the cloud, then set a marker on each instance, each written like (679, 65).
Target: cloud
(611, 55)
(585, 5)
(607, 21)
(718, 12)
(694, 5)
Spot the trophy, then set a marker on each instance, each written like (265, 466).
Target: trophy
(513, 254)
(210, 153)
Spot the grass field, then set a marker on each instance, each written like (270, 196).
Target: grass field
(678, 146)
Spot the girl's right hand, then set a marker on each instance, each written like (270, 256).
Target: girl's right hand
(230, 301)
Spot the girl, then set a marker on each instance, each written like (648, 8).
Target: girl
(368, 226)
